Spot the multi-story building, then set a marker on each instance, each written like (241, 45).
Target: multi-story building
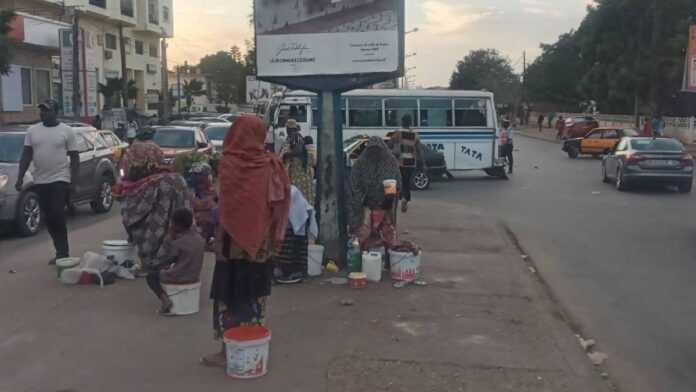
(200, 103)
(110, 28)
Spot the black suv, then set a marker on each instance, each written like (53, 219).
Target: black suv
(97, 174)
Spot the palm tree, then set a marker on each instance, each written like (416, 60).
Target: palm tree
(111, 89)
(6, 18)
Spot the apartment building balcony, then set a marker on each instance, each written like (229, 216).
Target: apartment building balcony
(124, 12)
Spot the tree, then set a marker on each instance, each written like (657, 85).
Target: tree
(250, 57)
(111, 89)
(228, 76)
(6, 18)
(194, 88)
(486, 69)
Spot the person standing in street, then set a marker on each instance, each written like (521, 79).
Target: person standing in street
(405, 145)
(658, 125)
(540, 122)
(560, 127)
(52, 147)
(506, 146)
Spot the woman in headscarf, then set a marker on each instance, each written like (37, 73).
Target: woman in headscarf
(253, 217)
(372, 210)
(150, 195)
(298, 160)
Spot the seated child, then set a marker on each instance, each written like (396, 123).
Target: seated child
(180, 259)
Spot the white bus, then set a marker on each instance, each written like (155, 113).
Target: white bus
(460, 124)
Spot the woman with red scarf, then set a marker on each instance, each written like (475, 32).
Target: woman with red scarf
(254, 204)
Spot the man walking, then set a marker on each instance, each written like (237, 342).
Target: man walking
(48, 145)
(405, 145)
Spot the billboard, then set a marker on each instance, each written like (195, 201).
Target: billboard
(690, 78)
(257, 90)
(328, 37)
(88, 73)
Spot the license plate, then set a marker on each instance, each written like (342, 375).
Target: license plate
(661, 163)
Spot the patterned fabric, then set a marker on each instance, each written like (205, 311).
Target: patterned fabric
(378, 229)
(294, 250)
(300, 169)
(142, 159)
(146, 212)
(375, 165)
(405, 147)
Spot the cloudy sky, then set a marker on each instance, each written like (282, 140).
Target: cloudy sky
(448, 29)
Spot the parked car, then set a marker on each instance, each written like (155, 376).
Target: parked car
(435, 162)
(118, 146)
(176, 140)
(216, 132)
(229, 117)
(93, 186)
(579, 126)
(596, 142)
(643, 160)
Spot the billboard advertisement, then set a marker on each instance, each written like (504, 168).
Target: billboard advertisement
(88, 73)
(327, 37)
(257, 90)
(690, 78)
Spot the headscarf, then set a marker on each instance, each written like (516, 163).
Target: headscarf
(142, 159)
(254, 188)
(375, 165)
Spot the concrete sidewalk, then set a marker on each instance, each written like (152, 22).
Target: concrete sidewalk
(546, 134)
(485, 323)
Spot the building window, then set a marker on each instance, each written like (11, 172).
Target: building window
(43, 85)
(154, 52)
(98, 3)
(127, 8)
(110, 41)
(153, 11)
(27, 98)
(165, 14)
(139, 47)
(127, 45)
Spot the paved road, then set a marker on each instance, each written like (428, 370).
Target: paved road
(623, 264)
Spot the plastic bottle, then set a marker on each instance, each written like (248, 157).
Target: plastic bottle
(355, 257)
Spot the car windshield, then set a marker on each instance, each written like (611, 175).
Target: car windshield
(11, 147)
(216, 133)
(174, 138)
(656, 145)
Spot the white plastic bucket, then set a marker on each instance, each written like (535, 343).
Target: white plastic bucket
(119, 250)
(71, 276)
(372, 266)
(404, 266)
(185, 298)
(315, 260)
(247, 350)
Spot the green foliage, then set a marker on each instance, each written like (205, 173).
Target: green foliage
(194, 88)
(623, 50)
(6, 52)
(486, 69)
(184, 162)
(228, 75)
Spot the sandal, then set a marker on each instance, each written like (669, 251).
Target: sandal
(217, 360)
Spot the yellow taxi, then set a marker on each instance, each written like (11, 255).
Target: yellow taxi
(597, 142)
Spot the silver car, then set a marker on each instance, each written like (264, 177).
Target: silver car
(21, 209)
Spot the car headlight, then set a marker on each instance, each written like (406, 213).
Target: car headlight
(4, 179)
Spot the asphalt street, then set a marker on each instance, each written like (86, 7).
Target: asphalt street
(622, 264)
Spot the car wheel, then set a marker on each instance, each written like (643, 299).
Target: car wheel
(620, 181)
(573, 152)
(29, 217)
(685, 187)
(105, 198)
(420, 180)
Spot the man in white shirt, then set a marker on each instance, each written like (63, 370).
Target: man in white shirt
(48, 145)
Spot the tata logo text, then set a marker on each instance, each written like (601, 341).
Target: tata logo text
(437, 146)
(470, 152)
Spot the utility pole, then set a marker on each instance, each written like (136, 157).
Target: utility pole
(178, 89)
(76, 98)
(124, 69)
(165, 82)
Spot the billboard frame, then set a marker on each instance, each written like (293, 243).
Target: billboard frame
(345, 82)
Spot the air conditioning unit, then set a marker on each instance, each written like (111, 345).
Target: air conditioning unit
(151, 69)
(108, 55)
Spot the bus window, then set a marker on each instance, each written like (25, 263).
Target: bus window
(396, 109)
(298, 112)
(435, 112)
(470, 113)
(365, 112)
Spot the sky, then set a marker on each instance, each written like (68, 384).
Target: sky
(447, 30)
